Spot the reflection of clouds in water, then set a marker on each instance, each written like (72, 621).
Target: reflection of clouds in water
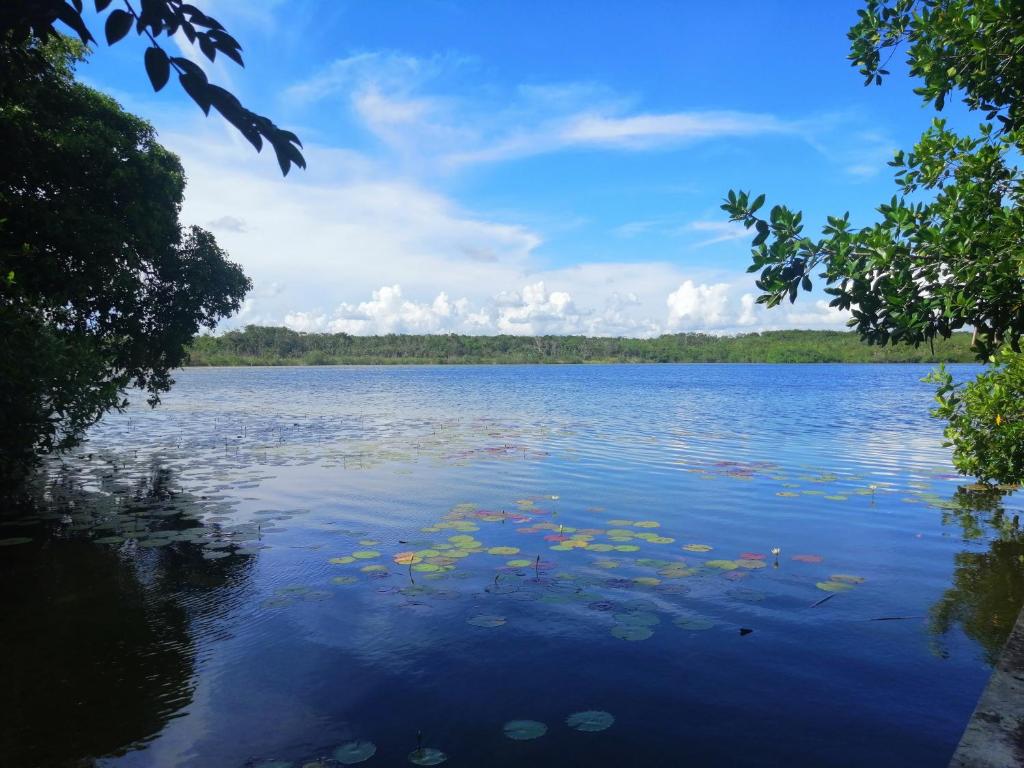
(304, 465)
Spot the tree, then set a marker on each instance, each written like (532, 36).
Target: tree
(26, 23)
(948, 249)
(101, 287)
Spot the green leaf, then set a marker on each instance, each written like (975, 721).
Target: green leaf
(118, 24)
(158, 67)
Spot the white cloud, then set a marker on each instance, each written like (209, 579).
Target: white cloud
(720, 231)
(646, 131)
(348, 246)
(701, 306)
(387, 92)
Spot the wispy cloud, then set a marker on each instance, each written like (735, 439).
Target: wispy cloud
(397, 98)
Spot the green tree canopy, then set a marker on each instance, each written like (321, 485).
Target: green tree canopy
(101, 287)
(947, 251)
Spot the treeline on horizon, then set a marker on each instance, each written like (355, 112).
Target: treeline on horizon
(261, 345)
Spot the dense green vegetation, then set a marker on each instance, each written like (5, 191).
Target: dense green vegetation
(101, 286)
(947, 251)
(279, 346)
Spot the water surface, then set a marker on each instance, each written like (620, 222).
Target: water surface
(278, 561)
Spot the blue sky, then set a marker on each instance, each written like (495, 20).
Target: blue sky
(525, 167)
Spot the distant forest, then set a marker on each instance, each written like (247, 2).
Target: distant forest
(258, 345)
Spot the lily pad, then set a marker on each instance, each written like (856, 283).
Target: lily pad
(407, 558)
(847, 578)
(808, 558)
(725, 565)
(525, 730)
(696, 547)
(503, 550)
(590, 721)
(486, 620)
(693, 623)
(833, 586)
(355, 752)
(631, 632)
(427, 756)
(365, 554)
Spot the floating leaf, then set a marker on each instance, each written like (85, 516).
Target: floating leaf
(647, 524)
(725, 565)
(503, 551)
(696, 547)
(833, 586)
(847, 578)
(647, 581)
(519, 563)
(427, 756)
(786, 493)
(426, 567)
(627, 548)
(631, 632)
(808, 558)
(751, 556)
(590, 721)
(365, 554)
(374, 568)
(601, 548)
(344, 580)
(407, 558)
(355, 752)
(524, 730)
(750, 564)
(486, 620)
(693, 623)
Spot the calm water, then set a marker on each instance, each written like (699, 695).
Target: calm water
(279, 561)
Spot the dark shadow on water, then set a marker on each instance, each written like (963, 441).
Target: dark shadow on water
(100, 640)
(988, 585)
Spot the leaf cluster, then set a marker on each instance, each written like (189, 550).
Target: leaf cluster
(104, 287)
(986, 419)
(24, 22)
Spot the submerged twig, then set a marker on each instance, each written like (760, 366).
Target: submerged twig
(819, 602)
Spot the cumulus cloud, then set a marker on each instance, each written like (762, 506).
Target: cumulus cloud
(535, 310)
(698, 306)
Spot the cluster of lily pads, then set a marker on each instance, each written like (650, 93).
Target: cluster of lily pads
(417, 571)
(361, 750)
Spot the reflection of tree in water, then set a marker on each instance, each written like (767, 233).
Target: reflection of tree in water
(988, 586)
(99, 642)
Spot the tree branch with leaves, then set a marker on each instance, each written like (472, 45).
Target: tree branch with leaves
(24, 22)
(947, 251)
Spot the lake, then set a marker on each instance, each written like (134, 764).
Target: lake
(543, 566)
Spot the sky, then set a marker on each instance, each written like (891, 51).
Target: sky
(524, 167)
